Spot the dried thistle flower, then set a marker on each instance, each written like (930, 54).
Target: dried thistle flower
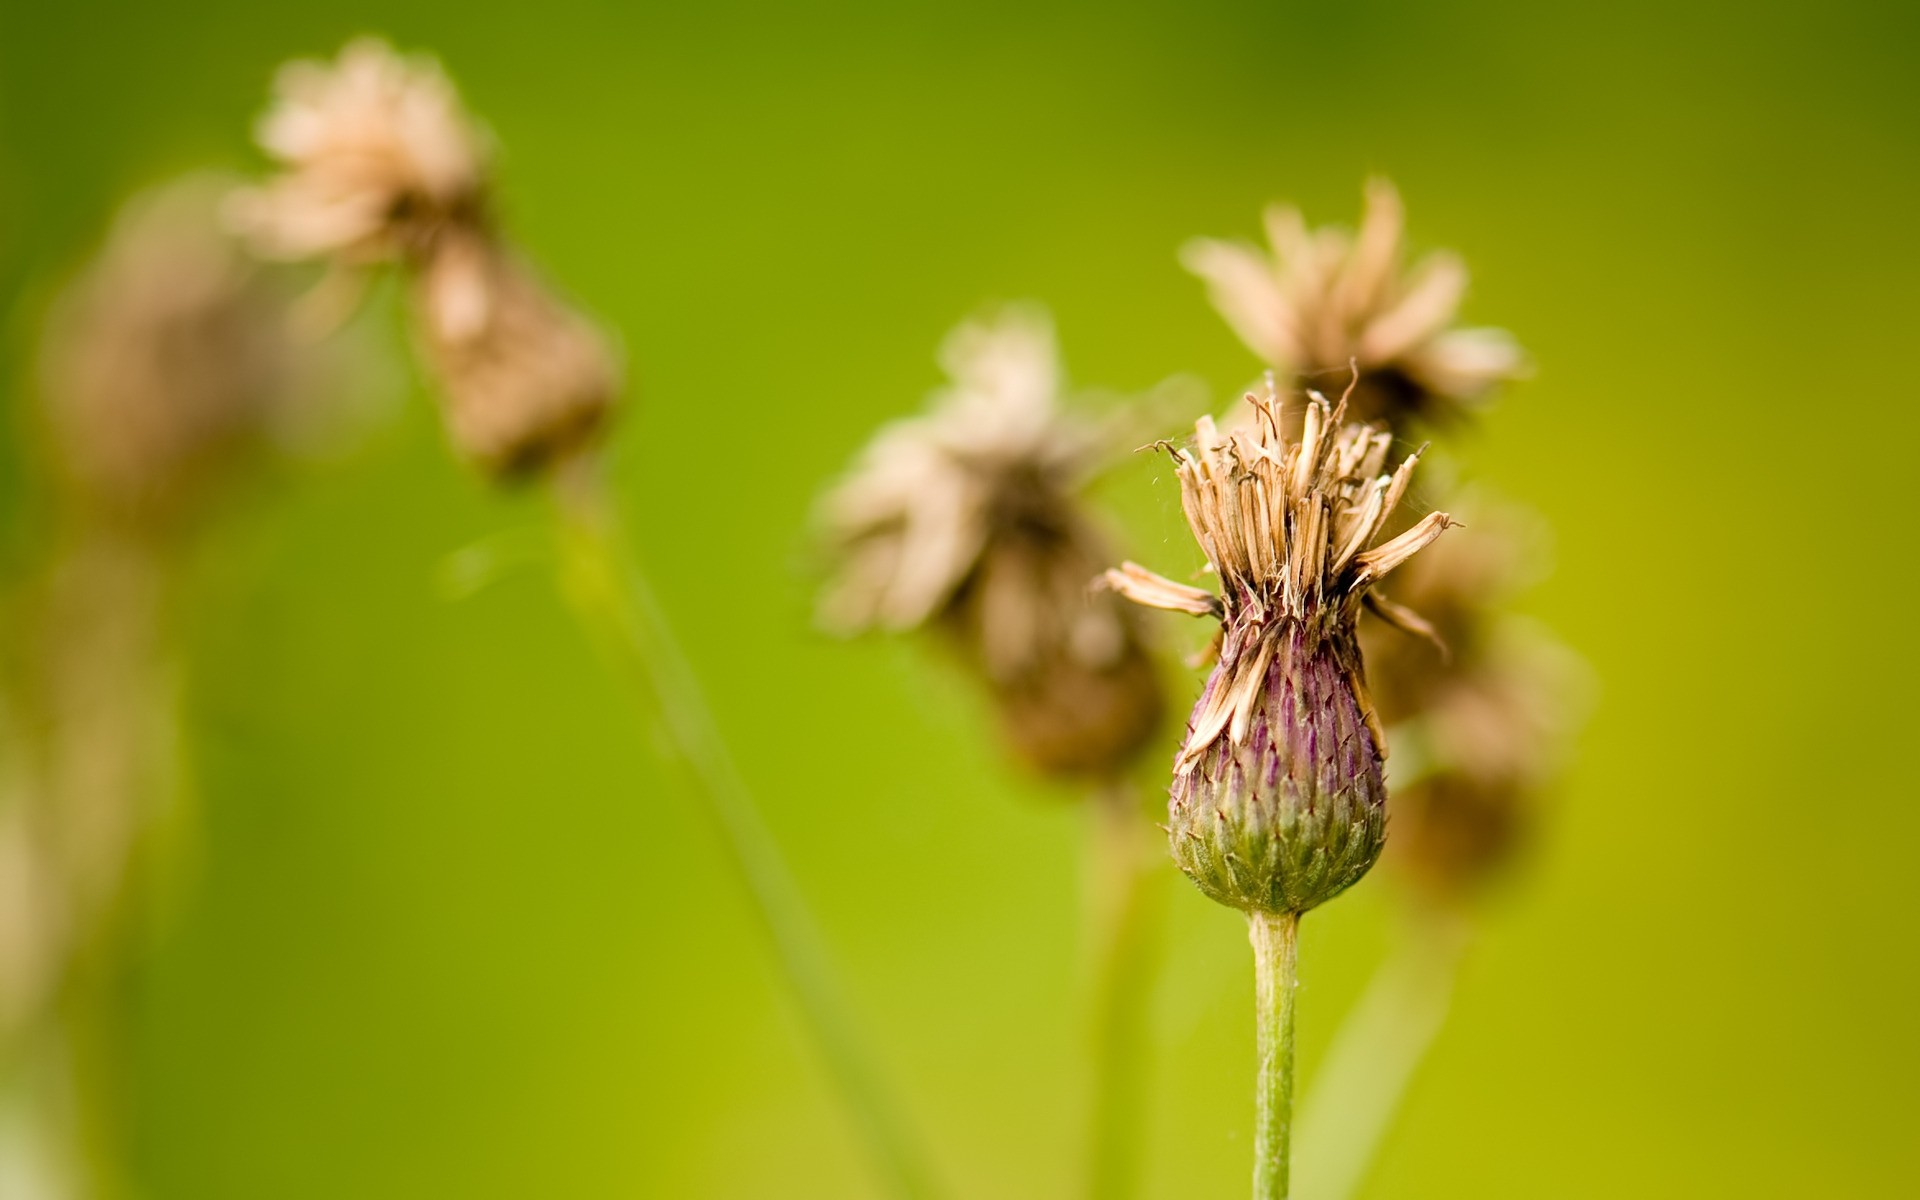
(380, 160)
(383, 165)
(1488, 710)
(527, 379)
(969, 520)
(1325, 298)
(1278, 800)
(166, 357)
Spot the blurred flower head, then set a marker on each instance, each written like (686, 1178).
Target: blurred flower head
(1278, 798)
(1489, 711)
(383, 165)
(378, 155)
(166, 356)
(526, 378)
(968, 519)
(1325, 298)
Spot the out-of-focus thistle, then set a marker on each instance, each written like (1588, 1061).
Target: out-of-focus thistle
(968, 520)
(160, 365)
(380, 158)
(164, 360)
(1323, 298)
(1279, 800)
(1486, 704)
(382, 165)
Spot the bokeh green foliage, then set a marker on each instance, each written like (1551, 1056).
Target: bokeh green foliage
(452, 935)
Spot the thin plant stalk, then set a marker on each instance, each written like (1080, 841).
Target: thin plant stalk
(99, 810)
(611, 597)
(1359, 1090)
(1125, 913)
(1276, 944)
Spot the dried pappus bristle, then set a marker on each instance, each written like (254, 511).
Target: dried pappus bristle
(166, 356)
(1491, 717)
(526, 379)
(379, 157)
(1278, 799)
(967, 520)
(1322, 299)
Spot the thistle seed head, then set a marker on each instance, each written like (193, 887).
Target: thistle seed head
(379, 160)
(968, 520)
(1278, 802)
(1324, 298)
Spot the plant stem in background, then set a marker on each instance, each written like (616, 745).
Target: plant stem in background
(611, 597)
(91, 818)
(1379, 1046)
(1125, 918)
(1276, 938)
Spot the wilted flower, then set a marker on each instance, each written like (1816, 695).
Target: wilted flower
(1278, 800)
(1488, 711)
(1325, 298)
(968, 519)
(170, 353)
(527, 378)
(380, 160)
(382, 165)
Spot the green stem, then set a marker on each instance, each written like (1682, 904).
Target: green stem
(1379, 1046)
(1276, 941)
(613, 601)
(1125, 917)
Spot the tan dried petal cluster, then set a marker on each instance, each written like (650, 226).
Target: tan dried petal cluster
(1490, 714)
(967, 519)
(1289, 526)
(378, 153)
(1324, 298)
(919, 509)
(527, 379)
(169, 354)
(382, 164)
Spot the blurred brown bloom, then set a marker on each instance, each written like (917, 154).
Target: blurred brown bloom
(968, 520)
(1488, 717)
(383, 165)
(379, 160)
(165, 358)
(527, 378)
(1323, 298)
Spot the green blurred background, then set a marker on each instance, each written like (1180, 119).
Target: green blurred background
(450, 933)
